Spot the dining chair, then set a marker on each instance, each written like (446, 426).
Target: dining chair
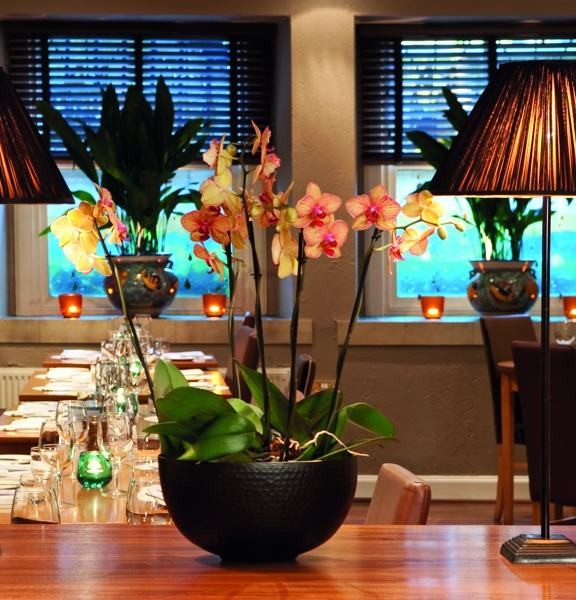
(305, 373)
(527, 359)
(246, 350)
(400, 498)
(498, 333)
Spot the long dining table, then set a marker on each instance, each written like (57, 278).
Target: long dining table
(376, 562)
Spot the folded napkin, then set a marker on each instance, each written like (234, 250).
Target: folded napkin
(66, 386)
(31, 424)
(203, 385)
(7, 498)
(193, 373)
(33, 409)
(20, 458)
(80, 353)
(192, 355)
(65, 373)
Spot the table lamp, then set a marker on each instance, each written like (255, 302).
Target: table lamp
(519, 141)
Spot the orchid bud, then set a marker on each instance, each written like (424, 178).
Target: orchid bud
(231, 149)
(459, 225)
(442, 233)
(291, 215)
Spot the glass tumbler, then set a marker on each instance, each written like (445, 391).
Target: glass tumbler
(34, 503)
(145, 503)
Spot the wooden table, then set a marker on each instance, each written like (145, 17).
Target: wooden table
(359, 562)
(29, 394)
(16, 442)
(51, 362)
(508, 385)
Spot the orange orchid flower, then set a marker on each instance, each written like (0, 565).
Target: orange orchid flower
(238, 231)
(328, 239)
(376, 207)
(85, 261)
(210, 258)
(217, 158)
(268, 164)
(285, 257)
(261, 140)
(77, 226)
(414, 242)
(422, 205)
(216, 192)
(315, 207)
(395, 252)
(206, 223)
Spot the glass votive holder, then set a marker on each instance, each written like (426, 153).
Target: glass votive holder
(214, 304)
(432, 306)
(569, 305)
(94, 469)
(70, 305)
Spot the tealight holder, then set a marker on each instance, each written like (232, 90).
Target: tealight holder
(569, 304)
(94, 469)
(432, 306)
(214, 304)
(70, 305)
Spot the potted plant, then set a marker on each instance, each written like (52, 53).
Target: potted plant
(274, 479)
(502, 282)
(134, 154)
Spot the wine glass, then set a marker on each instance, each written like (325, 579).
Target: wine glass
(115, 442)
(106, 377)
(565, 332)
(55, 449)
(74, 412)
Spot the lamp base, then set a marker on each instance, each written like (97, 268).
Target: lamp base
(529, 548)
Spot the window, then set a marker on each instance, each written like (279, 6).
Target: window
(401, 75)
(219, 73)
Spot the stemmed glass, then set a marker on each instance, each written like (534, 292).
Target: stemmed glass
(115, 442)
(56, 449)
(75, 414)
(106, 376)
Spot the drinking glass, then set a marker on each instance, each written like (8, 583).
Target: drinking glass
(145, 322)
(565, 332)
(115, 442)
(145, 503)
(34, 503)
(106, 376)
(161, 346)
(74, 412)
(55, 450)
(38, 468)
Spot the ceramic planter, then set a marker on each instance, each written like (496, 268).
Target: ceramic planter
(256, 512)
(149, 286)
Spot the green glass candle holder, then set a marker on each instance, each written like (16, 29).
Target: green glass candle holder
(94, 469)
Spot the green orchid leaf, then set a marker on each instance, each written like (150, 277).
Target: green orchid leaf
(84, 196)
(166, 378)
(251, 412)
(364, 416)
(278, 406)
(225, 435)
(186, 404)
(182, 431)
(314, 408)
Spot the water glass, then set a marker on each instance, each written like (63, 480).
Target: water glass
(38, 468)
(145, 503)
(115, 442)
(161, 346)
(34, 503)
(565, 332)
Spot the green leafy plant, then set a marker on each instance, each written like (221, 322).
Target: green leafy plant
(502, 222)
(198, 425)
(134, 154)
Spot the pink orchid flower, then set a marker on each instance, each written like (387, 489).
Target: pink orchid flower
(268, 164)
(375, 208)
(395, 252)
(328, 239)
(315, 206)
(210, 258)
(206, 223)
(261, 140)
(414, 242)
(422, 205)
(285, 256)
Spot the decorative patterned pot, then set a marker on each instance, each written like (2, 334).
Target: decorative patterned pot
(502, 286)
(258, 512)
(148, 285)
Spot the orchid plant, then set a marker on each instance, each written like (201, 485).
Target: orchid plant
(198, 425)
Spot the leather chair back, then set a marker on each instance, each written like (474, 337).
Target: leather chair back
(562, 407)
(305, 373)
(400, 498)
(246, 348)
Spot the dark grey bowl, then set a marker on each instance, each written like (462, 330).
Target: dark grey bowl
(255, 512)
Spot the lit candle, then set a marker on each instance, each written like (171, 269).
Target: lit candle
(569, 304)
(70, 305)
(432, 306)
(214, 304)
(94, 469)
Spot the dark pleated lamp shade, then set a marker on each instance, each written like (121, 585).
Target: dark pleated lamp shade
(28, 174)
(520, 138)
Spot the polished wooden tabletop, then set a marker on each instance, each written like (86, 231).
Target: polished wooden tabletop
(392, 562)
(51, 362)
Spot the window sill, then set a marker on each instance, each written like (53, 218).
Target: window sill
(184, 330)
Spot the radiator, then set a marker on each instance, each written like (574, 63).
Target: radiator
(12, 380)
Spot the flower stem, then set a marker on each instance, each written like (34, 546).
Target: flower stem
(322, 448)
(231, 340)
(127, 319)
(294, 344)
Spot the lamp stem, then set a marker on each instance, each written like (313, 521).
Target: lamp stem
(545, 371)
